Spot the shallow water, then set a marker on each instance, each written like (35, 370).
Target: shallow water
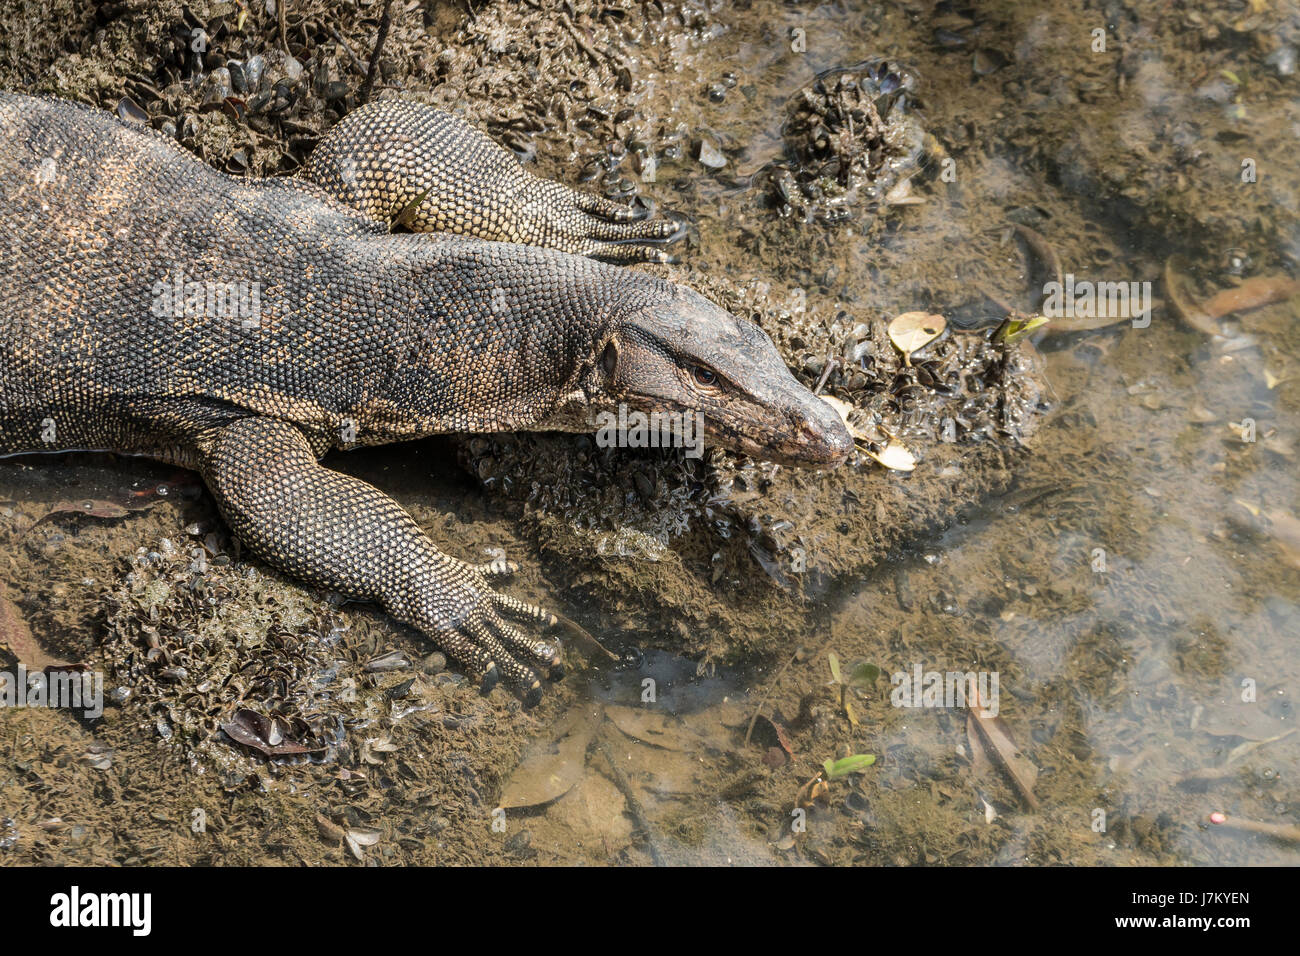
(1132, 590)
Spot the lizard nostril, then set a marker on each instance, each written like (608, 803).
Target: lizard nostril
(826, 437)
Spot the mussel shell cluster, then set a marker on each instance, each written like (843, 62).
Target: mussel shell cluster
(201, 652)
(850, 136)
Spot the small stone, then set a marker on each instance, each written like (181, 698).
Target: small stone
(710, 155)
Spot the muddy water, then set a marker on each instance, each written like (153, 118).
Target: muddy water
(1129, 585)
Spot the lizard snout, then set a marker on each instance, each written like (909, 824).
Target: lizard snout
(821, 438)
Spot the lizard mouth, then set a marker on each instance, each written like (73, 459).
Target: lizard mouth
(812, 442)
(806, 438)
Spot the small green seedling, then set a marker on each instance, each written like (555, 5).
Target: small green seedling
(856, 763)
(861, 677)
(1016, 327)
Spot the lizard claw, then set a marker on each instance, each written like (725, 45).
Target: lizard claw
(609, 210)
(488, 647)
(498, 567)
(533, 696)
(585, 224)
(641, 239)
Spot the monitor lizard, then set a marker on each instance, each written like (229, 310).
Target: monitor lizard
(245, 327)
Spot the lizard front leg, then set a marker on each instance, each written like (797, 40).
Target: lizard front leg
(341, 533)
(407, 163)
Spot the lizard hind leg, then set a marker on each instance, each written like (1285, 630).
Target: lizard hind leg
(339, 532)
(412, 165)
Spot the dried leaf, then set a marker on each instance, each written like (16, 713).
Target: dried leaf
(915, 330)
(989, 813)
(768, 733)
(895, 456)
(849, 711)
(996, 738)
(815, 790)
(841, 406)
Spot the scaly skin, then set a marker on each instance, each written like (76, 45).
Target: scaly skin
(359, 336)
(397, 159)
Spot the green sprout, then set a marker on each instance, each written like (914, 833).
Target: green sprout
(1015, 328)
(855, 763)
(861, 677)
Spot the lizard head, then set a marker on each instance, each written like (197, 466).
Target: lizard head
(684, 355)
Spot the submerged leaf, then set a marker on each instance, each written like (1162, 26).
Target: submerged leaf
(864, 675)
(658, 729)
(1251, 294)
(547, 774)
(1183, 304)
(18, 638)
(988, 734)
(91, 507)
(1285, 530)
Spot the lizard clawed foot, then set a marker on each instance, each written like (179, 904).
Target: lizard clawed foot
(549, 620)
(484, 643)
(588, 225)
(646, 235)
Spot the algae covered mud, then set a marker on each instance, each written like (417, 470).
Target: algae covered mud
(1046, 614)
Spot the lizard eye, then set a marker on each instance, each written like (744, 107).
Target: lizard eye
(704, 376)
